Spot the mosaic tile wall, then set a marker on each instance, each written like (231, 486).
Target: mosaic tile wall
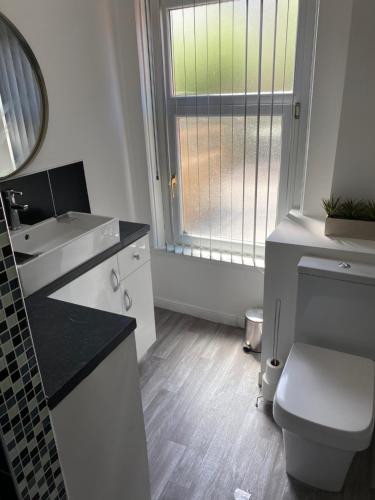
(25, 425)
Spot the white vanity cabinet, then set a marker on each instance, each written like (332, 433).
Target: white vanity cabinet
(121, 284)
(100, 433)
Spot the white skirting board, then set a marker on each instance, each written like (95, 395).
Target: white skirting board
(200, 312)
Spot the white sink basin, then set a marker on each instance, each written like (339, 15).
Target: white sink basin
(57, 245)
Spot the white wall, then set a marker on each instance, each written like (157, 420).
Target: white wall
(342, 135)
(354, 174)
(126, 58)
(72, 41)
(327, 93)
(212, 290)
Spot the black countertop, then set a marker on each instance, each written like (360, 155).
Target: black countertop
(71, 340)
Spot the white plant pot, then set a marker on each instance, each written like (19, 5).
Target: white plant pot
(346, 228)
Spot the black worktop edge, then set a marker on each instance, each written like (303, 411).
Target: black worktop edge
(86, 370)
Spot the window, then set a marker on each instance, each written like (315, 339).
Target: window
(230, 86)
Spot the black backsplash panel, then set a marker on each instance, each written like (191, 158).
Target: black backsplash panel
(69, 189)
(50, 193)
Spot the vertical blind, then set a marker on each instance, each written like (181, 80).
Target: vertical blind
(20, 101)
(228, 70)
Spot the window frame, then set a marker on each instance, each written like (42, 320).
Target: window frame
(168, 107)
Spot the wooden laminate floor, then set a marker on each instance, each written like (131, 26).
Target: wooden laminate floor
(205, 437)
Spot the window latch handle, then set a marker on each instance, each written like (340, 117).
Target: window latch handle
(173, 185)
(297, 110)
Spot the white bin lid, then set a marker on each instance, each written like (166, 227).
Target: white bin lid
(255, 315)
(327, 396)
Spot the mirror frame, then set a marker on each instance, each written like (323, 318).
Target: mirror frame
(43, 91)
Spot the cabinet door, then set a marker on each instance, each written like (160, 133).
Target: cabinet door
(138, 303)
(99, 288)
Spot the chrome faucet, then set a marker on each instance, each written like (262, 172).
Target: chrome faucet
(14, 207)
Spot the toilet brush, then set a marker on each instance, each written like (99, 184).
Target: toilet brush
(276, 327)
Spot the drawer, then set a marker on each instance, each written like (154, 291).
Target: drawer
(133, 256)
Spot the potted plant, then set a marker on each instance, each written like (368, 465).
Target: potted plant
(348, 218)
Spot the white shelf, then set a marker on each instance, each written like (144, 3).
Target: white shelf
(297, 229)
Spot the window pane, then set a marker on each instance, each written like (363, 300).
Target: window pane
(208, 47)
(217, 192)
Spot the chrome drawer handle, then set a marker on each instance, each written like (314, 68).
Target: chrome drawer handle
(115, 280)
(136, 256)
(128, 301)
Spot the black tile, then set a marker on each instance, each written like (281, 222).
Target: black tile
(9, 262)
(15, 376)
(19, 350)
(17, 340)
(9, 310)
(8, 394)
(5, 336)
(16, 292)
(10, 357)
(4, 420)
(36, 193)
(21, 314)
(13, 366)
(15, 420)
(18, 304)
(7, 251)
(6, 428)
(14, 330)
(69, 188)
(13, 284)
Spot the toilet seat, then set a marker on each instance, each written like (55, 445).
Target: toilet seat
(327, 396)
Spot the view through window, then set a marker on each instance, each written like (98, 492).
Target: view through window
(225, 49)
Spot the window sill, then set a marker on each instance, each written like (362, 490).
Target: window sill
(203, 256)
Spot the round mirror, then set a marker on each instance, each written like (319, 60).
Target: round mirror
(23, 101)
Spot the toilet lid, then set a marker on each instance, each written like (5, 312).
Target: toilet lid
(327, 396)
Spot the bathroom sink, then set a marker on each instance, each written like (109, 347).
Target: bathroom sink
(49, 249)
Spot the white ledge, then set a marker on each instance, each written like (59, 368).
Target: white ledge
(298, 229)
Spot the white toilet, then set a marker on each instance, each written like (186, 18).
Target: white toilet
(324, 401)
